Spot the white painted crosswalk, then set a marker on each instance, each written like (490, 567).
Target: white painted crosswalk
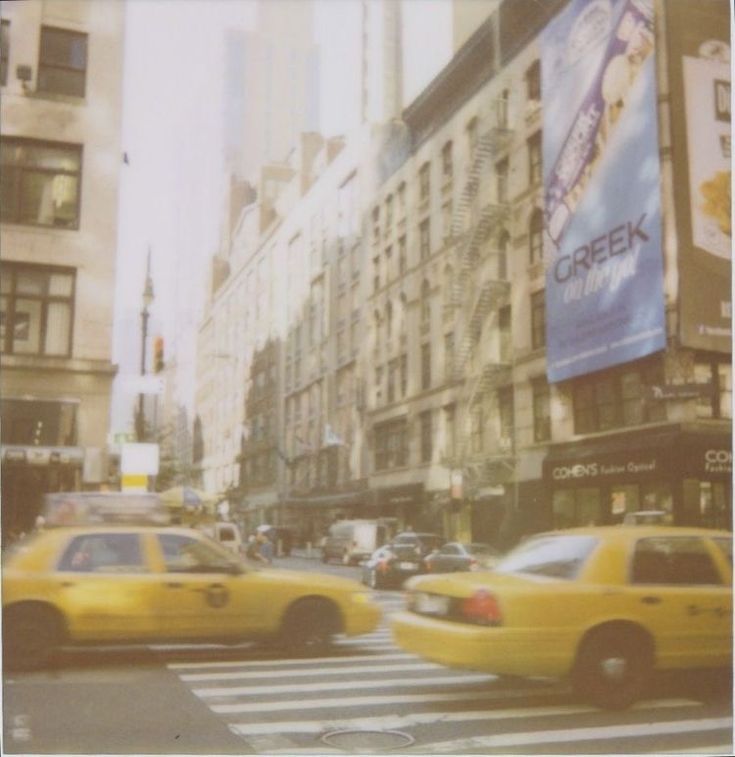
(286, 706)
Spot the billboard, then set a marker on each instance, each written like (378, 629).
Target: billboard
(604, 276)
(699, 76)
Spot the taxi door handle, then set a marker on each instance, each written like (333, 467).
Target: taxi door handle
(651, 600)
(174, 584)
(67, 584)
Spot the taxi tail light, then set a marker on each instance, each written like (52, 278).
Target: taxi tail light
(483, 608)
(429, 566)
(474, 565)
(383, 566)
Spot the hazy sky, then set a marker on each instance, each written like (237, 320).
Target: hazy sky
(172, 185)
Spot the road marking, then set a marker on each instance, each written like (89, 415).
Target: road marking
(596, 733)
(402, 683)
(339, 659)
(392, 722)
(380, 699)
(230, 676)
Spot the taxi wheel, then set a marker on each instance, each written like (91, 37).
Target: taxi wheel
(310, 624)
(31, 636)
(613, 667)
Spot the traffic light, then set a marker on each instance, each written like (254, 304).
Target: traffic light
(158, 354)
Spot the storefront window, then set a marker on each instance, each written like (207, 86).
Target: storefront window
(577, 507)
(713, 505)
(623, 499)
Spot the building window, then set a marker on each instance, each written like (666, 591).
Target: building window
(506, 412)
(477, 425)
(541, 410)
(536, 237)
(426, 366)
(450, 430)
(447, 166)
(388, 320)
(376, 223)
(502, 110)
(617, 399)
(40, 182)
(472, 137)
(447, 220)
(425, 303)
(62, 62)
(505, 334)
(34, 423)
(716, 400)
(392, 380)
(424, 183)
(404, 375)
(534, 159)
(401, 199)
(538, 320)
(391, 444)
(4, 51)
(426, 436)
(388, 212)
(376, 273)
(503, 246)
(424, 240)
(402, 262)
(501, 176)
(533, 81)
(36, 311)
(449, 356)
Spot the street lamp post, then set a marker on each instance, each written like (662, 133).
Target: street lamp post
(144, 314)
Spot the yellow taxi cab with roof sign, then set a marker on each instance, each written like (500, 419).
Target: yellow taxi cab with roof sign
(128, 580)
(603, 606)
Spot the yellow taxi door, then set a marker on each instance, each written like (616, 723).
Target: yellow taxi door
(106, 587)
(202, 596)
(685, 599)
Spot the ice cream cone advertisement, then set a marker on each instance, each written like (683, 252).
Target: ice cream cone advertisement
(604, 280)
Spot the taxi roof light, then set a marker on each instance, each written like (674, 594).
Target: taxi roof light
(92, 508)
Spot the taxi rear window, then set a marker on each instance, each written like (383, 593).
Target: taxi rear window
(550, 556)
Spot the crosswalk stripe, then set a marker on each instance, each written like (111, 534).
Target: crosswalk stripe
(380, 699)
(546, 737)
(311, 673)
(392, 722)
(333, 659)
(402, 683)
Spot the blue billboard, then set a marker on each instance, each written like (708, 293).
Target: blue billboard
(602, 242)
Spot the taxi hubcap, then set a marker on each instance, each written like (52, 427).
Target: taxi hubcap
(614, 668)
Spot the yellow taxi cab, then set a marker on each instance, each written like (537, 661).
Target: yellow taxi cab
(604, 606)
(128, 583)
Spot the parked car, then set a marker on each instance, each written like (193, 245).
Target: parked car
(352, 541)
(603, 606)
(391, 565)
(117, 583)
(648, 518)
(455, 556)
(423, 542)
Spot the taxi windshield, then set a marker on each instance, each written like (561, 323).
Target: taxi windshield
(551, 556)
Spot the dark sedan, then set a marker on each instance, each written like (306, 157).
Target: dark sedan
(391, 565)
(454, 556)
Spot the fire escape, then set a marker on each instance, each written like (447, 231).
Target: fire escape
(478, 290)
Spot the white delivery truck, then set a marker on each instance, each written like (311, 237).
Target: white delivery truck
(354, 540)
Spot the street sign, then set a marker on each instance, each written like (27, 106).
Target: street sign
(141, 459)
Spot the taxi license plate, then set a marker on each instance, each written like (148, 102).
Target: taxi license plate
(431, 604)
(407, 566)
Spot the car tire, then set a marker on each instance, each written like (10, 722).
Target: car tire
(309, 625)
(613, 667)
(374, 581)
(31, 637)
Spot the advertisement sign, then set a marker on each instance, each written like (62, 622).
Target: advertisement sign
(604, 279)
(699, 75)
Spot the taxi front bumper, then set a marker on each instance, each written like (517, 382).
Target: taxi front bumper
(361, 616)
(502, 651)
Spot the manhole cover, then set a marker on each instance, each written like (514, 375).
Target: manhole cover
(365, 742)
